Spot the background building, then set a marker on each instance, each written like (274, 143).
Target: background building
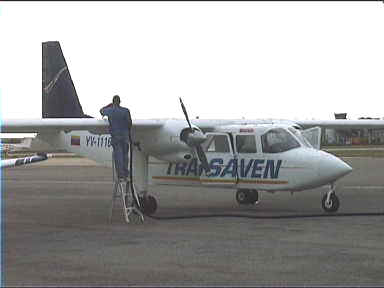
(353, 136)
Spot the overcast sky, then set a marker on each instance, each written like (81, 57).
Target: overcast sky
(289, 60)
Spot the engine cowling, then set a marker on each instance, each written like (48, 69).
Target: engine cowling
(167, 142)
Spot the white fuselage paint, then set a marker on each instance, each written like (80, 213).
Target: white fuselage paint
(295, 170)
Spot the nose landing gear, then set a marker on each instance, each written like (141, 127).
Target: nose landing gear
(247, 196)
(330, 201)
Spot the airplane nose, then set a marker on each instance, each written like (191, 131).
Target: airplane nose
(331, 168)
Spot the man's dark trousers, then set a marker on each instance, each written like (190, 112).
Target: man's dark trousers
(120, 144)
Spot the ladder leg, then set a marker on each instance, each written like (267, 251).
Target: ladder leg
(121, 190)
(133, 208)
(115, 193)
(123, 201)
(114, 196)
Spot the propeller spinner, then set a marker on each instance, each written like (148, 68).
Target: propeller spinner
(194, 138)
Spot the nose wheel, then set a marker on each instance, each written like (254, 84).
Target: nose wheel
(330, 201)
(247, 196)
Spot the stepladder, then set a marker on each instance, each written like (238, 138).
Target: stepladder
(124, 190)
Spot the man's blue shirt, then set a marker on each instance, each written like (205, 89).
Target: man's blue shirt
(119, 118)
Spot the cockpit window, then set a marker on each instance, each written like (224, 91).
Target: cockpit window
(278, 140)
(298, 134)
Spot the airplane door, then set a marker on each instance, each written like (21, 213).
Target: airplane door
(248, 153)
(219, 152)
(313, 135)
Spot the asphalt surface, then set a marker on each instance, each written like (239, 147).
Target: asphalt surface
(57, 233)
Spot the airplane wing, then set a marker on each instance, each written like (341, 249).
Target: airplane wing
(210, 125)
(23, 161)
(96, 126)
(100, 126)
(342, 124)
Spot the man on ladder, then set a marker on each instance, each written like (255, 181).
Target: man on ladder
(120, 125)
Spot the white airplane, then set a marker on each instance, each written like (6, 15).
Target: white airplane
(243, 155)
(25, 144)
(6, 163)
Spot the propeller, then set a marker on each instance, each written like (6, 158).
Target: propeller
(194, 138)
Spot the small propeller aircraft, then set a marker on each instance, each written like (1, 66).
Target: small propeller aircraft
(25, 144)
(247, 156)
(6, 163)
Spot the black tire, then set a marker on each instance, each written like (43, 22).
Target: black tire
(334, 204)
(243, 196)
(149, 205)
(253, 196)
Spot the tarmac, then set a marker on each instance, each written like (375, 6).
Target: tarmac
(57, 233)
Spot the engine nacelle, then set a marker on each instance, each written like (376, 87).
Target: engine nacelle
(165, 143)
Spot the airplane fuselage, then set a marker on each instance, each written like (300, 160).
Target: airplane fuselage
(292, 170)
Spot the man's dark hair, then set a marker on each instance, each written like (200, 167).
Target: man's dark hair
(116, 100)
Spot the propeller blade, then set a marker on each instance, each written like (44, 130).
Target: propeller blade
(194, 139)
(185, 113)
(203, 158)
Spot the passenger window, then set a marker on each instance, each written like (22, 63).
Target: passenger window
(218, 144)
(277, 141)
(246, 144)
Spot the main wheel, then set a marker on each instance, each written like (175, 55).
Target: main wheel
(333, 204)
(253, 196)
(242, 196)
(149, 205)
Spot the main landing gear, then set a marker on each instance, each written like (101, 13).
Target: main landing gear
(330, 201)
(148, 204)
(247, 196)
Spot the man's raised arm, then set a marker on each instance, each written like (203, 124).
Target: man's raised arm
(102, 112)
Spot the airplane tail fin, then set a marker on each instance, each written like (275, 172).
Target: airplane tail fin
(59, 97)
